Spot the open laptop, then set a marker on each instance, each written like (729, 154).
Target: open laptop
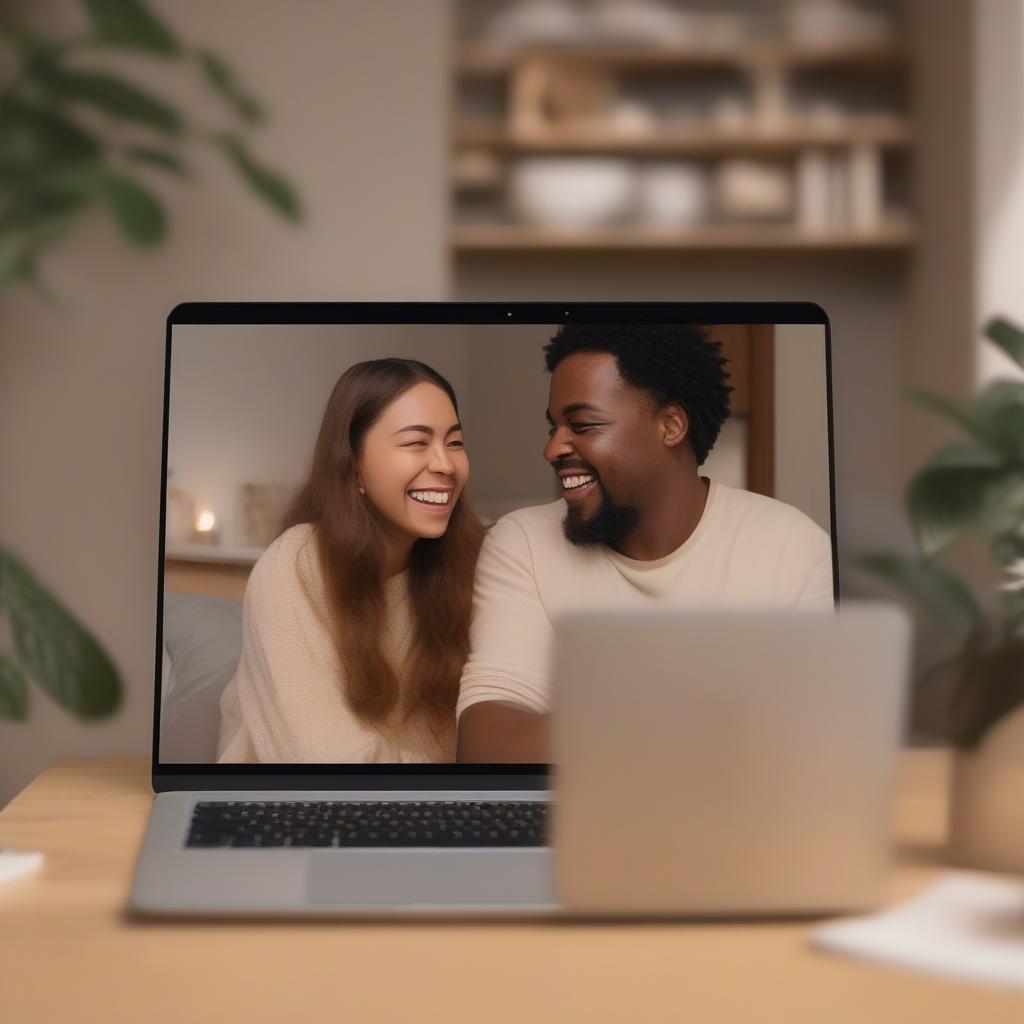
(245, 391)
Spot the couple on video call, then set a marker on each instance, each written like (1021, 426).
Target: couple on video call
(385, 625)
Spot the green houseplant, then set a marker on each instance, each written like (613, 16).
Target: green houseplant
(73, 136)
(975, 487)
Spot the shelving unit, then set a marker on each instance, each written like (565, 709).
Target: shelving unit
(523, 238)
(479, 58)
(888, 132)
(216, 554)
(530, 119)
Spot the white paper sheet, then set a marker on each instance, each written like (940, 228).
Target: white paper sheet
(15, 863)
(968, 926)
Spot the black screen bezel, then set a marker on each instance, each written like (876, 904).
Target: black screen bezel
(167, 777)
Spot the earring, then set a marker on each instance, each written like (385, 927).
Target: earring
(362, 490)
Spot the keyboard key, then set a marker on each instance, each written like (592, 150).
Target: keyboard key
(348, 824)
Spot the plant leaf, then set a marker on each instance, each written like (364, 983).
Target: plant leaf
(12, 259)
(947, 497)
(1007, 337)
(224, 81)
(130, 23)
(34, 137)
(997, 415)
(270, 186)
(1011, 603)
(1001, 518)
(59, 653)
(13, 691)
(942, 594)
(139, 214)
(953, 409)
(65, 187)
(115, 97)
(158, 158)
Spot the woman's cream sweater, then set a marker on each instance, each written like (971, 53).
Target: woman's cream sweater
(286, 702)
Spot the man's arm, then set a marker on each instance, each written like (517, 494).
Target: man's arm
(498, 733)
(503, 697)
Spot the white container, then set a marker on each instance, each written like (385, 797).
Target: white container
(572, 192)
(838, 192)
(831, 22)
(652, 22)
(181, 512)
(672, 195)
(538, 22)
(865, 170)
(812, 206)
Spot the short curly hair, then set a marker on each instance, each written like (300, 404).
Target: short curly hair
(674, 363)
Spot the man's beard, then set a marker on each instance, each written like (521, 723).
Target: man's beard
(608, 525)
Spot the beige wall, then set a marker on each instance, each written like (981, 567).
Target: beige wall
(356, 92)
(510, 394)
(801, 421)
(999, 184)
(246, 401)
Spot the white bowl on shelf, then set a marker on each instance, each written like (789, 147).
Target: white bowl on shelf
(673, 195)
(538, 22)
(572, 192)
(651, 22)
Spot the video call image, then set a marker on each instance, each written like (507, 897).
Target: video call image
(371, 529)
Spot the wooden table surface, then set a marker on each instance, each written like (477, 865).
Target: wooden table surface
(68, 951)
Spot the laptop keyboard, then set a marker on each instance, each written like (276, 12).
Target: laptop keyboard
(344, 823)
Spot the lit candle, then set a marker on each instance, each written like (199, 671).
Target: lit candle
(206, 528)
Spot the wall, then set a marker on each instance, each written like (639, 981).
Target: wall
(246, 401)
(510, 394)
(999, 182)
(356, 93)
(801, 421)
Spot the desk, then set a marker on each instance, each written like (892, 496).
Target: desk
(67, 951)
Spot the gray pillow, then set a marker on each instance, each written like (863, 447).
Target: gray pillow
(203, 640)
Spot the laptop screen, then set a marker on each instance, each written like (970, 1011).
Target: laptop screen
(370, 529)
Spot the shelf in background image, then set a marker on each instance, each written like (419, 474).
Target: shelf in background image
(223, 554)
(877, 131)
(515, 237)
(493, 59)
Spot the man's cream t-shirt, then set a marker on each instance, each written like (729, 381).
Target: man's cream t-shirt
(747, 550)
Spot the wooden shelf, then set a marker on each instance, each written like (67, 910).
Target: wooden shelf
(889, 132)
(520, 238)
(555, 99)
(221, 554)
(491, 59)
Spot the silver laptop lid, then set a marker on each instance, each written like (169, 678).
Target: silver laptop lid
(735, 761)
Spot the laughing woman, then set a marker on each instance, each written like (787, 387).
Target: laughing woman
(356, 619)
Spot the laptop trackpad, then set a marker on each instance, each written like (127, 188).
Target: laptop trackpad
(396, 879)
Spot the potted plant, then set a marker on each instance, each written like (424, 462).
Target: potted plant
(976, 487)
(72, 136)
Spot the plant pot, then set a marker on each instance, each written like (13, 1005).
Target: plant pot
(986, 821)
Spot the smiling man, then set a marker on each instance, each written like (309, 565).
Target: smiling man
(633, 413)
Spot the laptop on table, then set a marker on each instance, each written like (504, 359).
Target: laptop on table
(245, 390)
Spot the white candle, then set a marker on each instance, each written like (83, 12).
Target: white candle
(206, 527)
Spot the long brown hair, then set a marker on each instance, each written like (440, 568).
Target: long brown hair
(351, 555)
